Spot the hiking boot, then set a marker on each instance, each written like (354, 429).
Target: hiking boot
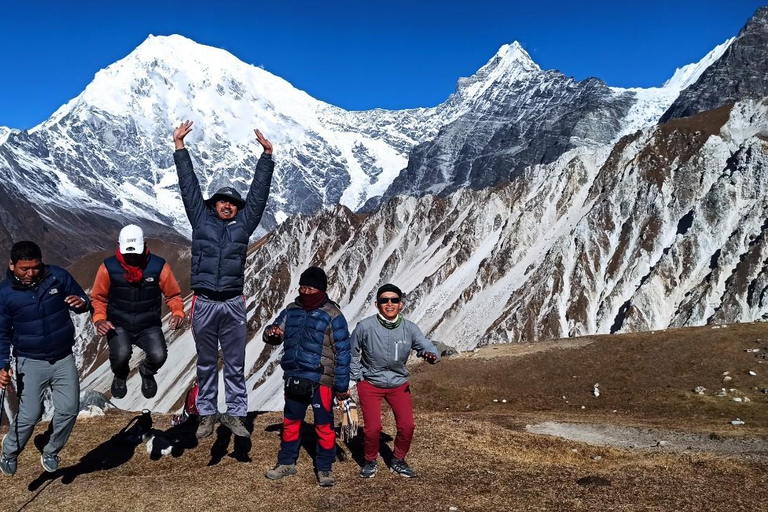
(235, 425)
(119, 388)
(402, 468)
(205, 428)
(148, 385)
(50, 462)
(8, 465)
(281, 471)
(325, 479)
(369, 469)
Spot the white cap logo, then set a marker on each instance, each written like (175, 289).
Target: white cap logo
(131, 240)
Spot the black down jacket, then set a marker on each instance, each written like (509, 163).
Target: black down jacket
(219, 247)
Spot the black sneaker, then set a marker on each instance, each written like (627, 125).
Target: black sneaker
(369, 469)
(119, 388)
(148, 385)
(402, 468)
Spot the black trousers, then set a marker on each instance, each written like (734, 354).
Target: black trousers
(151, 341)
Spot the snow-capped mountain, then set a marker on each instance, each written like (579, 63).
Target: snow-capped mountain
(107, 152)
(665, 229)
(520, 115)
(106, 155)
(662, 226)
(739, 74)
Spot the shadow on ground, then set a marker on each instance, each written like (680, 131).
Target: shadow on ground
(120, 448)
(241, 448)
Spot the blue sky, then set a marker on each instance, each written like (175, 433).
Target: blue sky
(358, 55)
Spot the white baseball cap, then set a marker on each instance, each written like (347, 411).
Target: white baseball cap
(131, 240)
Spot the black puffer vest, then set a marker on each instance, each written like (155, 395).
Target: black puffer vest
(135, 306)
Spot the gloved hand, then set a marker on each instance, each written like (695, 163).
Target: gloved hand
(430, 357)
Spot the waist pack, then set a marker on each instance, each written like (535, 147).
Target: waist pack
(298, 387)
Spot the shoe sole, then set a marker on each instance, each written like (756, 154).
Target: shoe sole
(403, 474)
(7, 473)
(281, 476)
(326, 485)
(368, 476)
(236, 432)
(46, 467)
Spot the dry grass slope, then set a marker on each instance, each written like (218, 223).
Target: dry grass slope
(479, 458)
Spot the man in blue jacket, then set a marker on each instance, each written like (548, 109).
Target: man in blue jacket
(221, 228)
(316, 365)
(35, 301)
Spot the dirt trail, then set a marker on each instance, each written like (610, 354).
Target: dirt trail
(618, 436)
(524, 349)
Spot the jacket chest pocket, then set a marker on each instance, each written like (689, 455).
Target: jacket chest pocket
(401, 351)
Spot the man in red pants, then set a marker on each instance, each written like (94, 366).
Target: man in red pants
(381, 345)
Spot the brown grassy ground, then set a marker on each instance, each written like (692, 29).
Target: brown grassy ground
(476, 459)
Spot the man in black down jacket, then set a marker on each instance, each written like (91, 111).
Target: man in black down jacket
(35, 301)
(221, 228)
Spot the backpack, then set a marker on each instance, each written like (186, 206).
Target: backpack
(189, 411)
(190, 403)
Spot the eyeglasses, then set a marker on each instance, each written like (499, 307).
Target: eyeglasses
(384, 300)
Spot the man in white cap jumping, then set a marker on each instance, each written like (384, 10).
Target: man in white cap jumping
(127, 308)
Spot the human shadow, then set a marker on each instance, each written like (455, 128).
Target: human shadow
(356, 448)
(241, 449)
(110, 454)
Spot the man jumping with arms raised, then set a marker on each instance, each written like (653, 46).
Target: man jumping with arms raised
(221, 228)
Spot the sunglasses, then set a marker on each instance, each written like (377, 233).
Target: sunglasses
(384, 300)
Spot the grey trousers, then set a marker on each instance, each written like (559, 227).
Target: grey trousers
(32, 378)
(222, 323)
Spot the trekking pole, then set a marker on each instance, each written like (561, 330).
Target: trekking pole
(6, 369)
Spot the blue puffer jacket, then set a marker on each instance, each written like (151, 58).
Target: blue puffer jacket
(36, 320)
(219, 248)
(316, 344)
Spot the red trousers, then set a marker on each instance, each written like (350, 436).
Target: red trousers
(399, 399)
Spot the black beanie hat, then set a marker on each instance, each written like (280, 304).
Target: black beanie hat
(389, 288)
(314, 277)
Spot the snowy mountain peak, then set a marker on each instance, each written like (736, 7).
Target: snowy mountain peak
(168, 78)
(510, 64)
(515, 53)
(687, 75)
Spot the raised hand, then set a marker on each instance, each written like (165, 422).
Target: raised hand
(264, 142)
(181, 132)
